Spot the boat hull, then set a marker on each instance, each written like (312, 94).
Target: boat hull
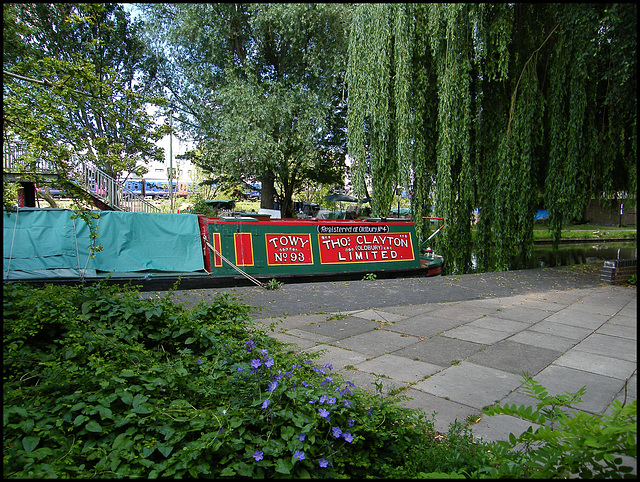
(268, 248)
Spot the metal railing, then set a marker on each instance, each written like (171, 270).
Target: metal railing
(85, 175)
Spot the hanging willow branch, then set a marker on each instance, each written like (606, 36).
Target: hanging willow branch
(524, 68)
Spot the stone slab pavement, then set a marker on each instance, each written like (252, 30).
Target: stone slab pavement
(455, 344)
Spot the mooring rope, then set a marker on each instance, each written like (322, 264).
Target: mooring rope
(246, 275)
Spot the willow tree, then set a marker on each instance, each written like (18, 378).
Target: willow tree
(409, 118)
(389, 121)
(502, 105)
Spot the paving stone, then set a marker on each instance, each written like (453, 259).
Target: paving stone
(342, 328)
(540, 302)
(522, 313)
(460, 312)
(476, 334)
(367, 381)
(515, 358)
(624, 320)
(424, 326)
(413, 310)
(310, 336)
(600, 389)
(560, 329)
(338, 357)
(594, 363)
(446, 411)
(376, 342)
(597, 305)
(379, 316)
(470, 384)
(610, 346)
(621, 330)
(300, 343)
(440, 350)
(285, 323)
(570, 316)
(497, 427)
(500, 324)
(543, 340)
(399, 368)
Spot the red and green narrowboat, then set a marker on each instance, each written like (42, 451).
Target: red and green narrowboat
(155, 250)
(262, 247)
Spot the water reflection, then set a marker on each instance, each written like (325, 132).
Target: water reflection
(576, 253)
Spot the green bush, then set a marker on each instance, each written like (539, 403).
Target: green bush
(567, 443)
(102, 382)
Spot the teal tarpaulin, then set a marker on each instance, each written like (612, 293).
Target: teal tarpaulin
(45, 240)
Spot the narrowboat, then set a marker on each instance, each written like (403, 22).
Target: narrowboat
(157, 251)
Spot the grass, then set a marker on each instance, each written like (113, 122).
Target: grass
(587, 231)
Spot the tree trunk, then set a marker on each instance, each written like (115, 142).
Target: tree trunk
(46, 195)
(268, 191)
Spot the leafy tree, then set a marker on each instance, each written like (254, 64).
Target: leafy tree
(500, 104)
(260, 88)
(74, 86)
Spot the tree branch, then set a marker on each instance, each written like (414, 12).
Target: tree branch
(45, 82)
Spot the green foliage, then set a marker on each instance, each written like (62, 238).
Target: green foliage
(491, 106)
(101, 382)
(274, 284)
(272, 77)
(75, 87)
(575, 444)
(369, 277)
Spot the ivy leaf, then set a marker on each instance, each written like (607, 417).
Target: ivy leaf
(30, 443)
(93, 426)
(105, 412)
(227, 472)
(283, 466)
(165, 449)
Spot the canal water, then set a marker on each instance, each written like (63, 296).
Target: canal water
(578, 253)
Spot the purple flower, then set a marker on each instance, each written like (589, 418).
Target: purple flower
(272, 386)
(268, 362)
(351, 384)
(336, 432)
(200, 362)
(323, 413)
(328, 365)
(347, 403)
(305, 384)
(258, 455)
(299, 455)
(329, 379)
(240, 369)
(250, 345)
(256, 362)
(266, 403)
(346, 390)
(347, 436)
(331, 400)
(264, 352)
(323, 398)
(302, 437)
(351, 423)
(323, 463)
